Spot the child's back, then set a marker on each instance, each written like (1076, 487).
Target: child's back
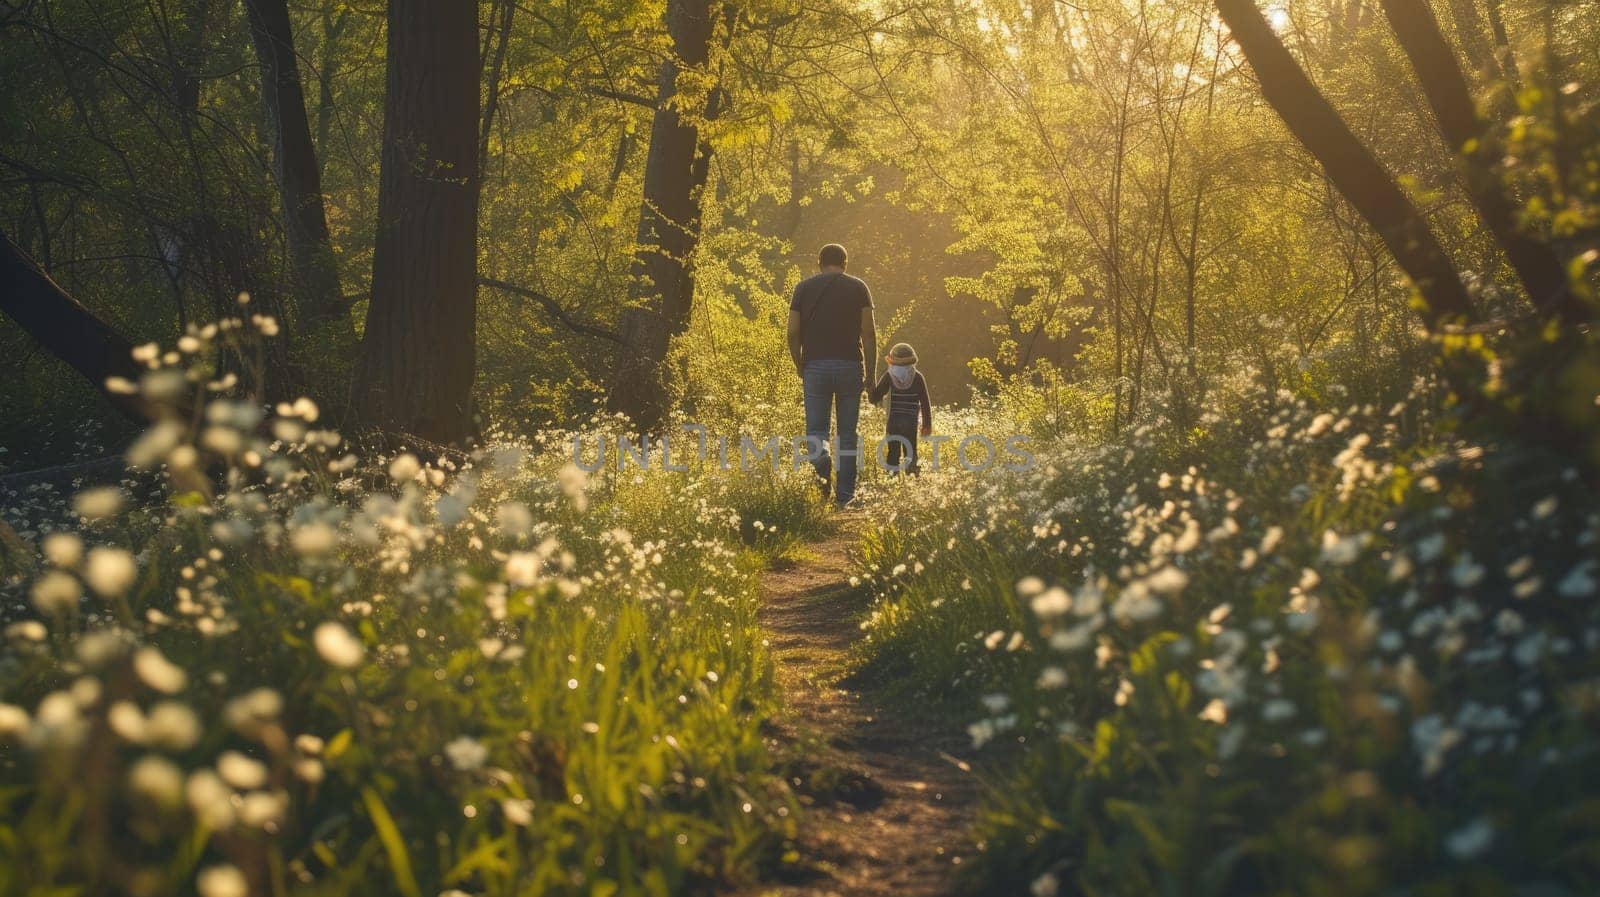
(906, 405)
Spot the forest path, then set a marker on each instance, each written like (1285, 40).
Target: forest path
(889, 801)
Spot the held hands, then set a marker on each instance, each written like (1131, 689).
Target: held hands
(927, 428)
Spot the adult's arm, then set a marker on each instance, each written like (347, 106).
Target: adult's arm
(922, 397)
(794, 339)
(869, 344)
(876, 395)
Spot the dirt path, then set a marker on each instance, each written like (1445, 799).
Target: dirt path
(891, 797)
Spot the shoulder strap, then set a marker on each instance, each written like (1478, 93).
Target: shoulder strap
(818, 304)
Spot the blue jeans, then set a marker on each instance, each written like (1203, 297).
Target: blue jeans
(829, 382)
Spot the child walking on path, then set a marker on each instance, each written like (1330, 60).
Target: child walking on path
(908, 397)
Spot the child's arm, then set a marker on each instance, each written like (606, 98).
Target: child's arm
(927, 407)
(876, 395)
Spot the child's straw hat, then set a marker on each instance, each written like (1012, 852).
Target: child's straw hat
(901, 353)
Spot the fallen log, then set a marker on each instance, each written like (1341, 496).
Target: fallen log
(69, 330)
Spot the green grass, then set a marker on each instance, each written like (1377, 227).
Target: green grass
(1307, 653)
(535, 682)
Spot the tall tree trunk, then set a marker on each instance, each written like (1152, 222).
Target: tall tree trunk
(1113, 256)
(66, 329)
(327, 71)
(418, 354)
(314, 274)
(1502, 46)
(1473, 34)
(1536, 264)
(1355, 172)
(676, 169)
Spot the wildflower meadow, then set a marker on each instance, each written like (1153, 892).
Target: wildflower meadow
(852, 448)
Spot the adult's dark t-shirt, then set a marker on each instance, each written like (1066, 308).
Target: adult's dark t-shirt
(830, 307)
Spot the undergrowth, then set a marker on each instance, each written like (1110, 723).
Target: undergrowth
(1302, 650)
(264, 665)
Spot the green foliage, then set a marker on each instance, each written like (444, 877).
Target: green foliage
(1309, 652)
(1285, 605)
(493, 674)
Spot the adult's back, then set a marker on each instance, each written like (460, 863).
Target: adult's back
(829, 305)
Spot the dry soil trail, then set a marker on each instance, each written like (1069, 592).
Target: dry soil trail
(891, 796)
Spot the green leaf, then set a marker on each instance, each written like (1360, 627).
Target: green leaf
(393, 844)
(338, 744)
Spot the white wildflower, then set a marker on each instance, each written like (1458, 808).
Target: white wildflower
(1215, 711)
(1051, 603)
(404, 468)
(1124, 694)
(154, 445)
(466, 753)
(1088, 598)
(63, 550)
(156, 671)
(157, 780)
(27, 631)
(518, 812)
(250, 711)
(1167, 581)
(1430, 547)
(172, 725)
(222, 881)
(338, 646)
(14, 722)
(58, 722)
(127, 721)
(1075, 638)
(981, 733)
(1135, 604)
(1466, 573)
(1508, 622)
(1530, 648)
(1579, 581)
(514, 518)
(1471, 839)
(98, 503)
(574, 481)
(522, 568)
(263, 809)
(1341, 551)
(315, 539)
(1400, 568)
(55, 593)
(240, 771)
(102, 646)
(1271, 539)
(110, 571)
(1277, 710)
(210, 799)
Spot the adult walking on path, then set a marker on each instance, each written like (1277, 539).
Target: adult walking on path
(832, 339)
